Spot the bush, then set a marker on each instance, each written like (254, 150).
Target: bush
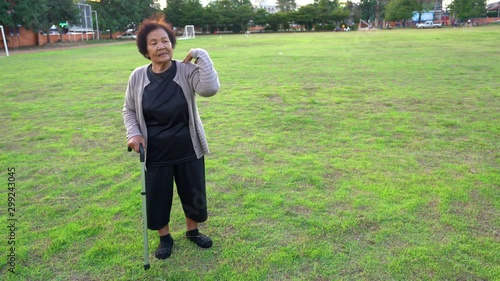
(268, 28)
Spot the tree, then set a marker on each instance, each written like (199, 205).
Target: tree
(424, 5)
(141, 9)
(226, 13)
(175, 12)
(340, 15)
(279, 21)
(244, 13)
(401, 9)
(184, 12)
(117, 15)
(367, 8)
(211, 17)
(373, 10)
(260, 17)
(354, 11)
(193, 13)
(467, 9)
(26, 13)
(39, 15)
(306, 15)
(380, 11)
(6, 13)
(325, 10)
(59, 11)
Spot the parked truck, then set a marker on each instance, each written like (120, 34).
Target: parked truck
(429, 24)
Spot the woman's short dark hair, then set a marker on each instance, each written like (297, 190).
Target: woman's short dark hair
(148, 25)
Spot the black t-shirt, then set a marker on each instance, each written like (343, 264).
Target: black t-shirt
(167, 119)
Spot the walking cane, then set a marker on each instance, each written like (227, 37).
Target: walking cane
(144, 210)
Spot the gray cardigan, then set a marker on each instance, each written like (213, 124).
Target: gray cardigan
(200, 78)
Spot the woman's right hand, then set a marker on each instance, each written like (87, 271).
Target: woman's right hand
(134, 143)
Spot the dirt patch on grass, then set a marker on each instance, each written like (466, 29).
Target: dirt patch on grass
(276, 98)
(298, 211)
(486, 216)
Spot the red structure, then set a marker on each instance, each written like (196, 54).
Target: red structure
(28, 38)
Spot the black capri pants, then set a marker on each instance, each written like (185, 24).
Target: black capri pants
(190, 181)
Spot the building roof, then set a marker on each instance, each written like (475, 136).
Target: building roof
(493, 6)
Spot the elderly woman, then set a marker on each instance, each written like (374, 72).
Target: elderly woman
(160, 113)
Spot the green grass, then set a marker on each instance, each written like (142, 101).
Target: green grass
(335, 156)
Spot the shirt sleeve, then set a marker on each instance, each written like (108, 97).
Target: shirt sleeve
(129, 110)
(205, 79)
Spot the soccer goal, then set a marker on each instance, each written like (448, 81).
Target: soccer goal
(4, 41)
(364, 26)
(188, 32)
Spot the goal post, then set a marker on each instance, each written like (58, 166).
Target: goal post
(5, 44)
(188, 32)
(363, 25)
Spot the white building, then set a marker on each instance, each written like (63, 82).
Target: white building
(268, 5)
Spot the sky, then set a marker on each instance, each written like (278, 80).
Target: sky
(445, 2)
(305, 2)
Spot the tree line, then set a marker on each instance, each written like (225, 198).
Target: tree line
(228, 15)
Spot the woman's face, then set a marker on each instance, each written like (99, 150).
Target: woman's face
(159, 47)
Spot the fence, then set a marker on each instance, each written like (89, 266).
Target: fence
(28, 38)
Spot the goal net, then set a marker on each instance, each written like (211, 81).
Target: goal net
(188, 32)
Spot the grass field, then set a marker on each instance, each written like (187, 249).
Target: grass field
(335, 156)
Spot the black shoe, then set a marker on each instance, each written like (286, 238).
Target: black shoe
(165, 248)
(199, 239)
